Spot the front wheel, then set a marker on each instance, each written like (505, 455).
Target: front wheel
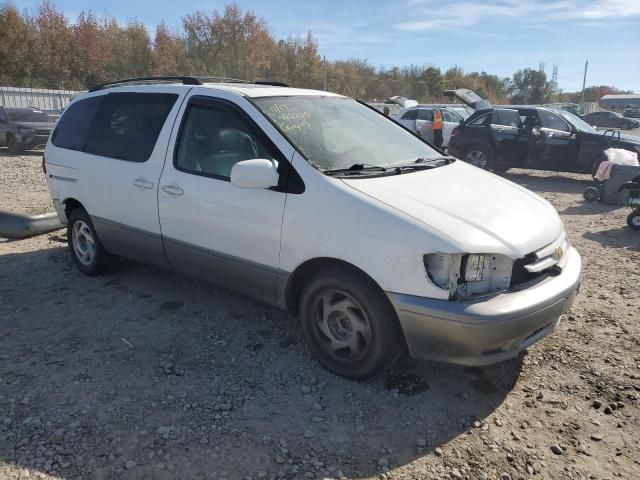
(633, 220)
(86, 250)
(349, 324)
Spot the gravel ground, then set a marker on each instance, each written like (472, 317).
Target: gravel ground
(144, 374)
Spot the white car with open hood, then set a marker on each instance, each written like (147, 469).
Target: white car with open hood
(318, 204)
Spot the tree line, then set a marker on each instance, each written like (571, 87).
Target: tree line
(45, 49)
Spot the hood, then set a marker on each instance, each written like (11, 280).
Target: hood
(469, 97)
(629, 139)
(475, 210)
(37, 125)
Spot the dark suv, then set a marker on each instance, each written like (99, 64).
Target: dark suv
(24, 128)
(501, 137)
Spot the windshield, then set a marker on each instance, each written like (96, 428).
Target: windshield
(576, 121)
(27, 115)
(336, 132)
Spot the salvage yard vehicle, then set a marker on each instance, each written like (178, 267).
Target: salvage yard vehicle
(24, 128)
(420, 118)
(498, 138)
(318, 204)
(610, 120)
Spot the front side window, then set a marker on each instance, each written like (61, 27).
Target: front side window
(553, 121)
(213, 139)
(338, 132)
(127, 125)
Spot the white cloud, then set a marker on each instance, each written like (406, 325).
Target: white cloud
(434, 15)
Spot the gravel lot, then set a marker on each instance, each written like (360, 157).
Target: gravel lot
(145, 374)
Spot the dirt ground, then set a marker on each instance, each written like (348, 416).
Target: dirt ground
(144, 374)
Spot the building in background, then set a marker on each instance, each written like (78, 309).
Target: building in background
(617, 103)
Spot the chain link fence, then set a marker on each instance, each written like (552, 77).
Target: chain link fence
(41, 98)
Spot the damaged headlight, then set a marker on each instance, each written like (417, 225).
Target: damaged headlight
(469, 275)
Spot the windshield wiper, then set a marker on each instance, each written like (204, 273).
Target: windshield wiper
(355, 169)
(424, 164)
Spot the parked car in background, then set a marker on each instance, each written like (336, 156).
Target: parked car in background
(610, 120)
(498, 138)
(318, 204)
(632, 112)
(24, 128)
(419, 119)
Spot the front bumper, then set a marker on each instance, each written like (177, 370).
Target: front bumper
(490, 331)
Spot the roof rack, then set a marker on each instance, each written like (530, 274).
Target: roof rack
(185, 80)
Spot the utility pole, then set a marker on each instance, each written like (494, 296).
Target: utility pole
(324, 60)
(584, 83)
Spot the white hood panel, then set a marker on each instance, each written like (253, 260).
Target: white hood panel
(478, 211)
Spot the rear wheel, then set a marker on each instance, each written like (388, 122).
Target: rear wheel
(479, 156)
(633, 220)
(349, 324)
(591, 194)
(86, 250)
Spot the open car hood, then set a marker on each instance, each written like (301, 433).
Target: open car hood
(469, 97)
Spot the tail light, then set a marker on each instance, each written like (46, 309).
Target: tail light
(44, 166)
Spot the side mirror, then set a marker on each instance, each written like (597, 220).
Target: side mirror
(257, 173)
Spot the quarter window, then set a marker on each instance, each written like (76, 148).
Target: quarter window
(213, 139)
(127, 125)
(73, 126)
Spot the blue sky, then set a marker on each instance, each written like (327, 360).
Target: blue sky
(497, 36)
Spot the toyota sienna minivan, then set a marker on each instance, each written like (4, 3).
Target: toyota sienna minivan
(378, 243)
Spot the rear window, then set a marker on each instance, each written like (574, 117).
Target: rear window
(27, 115)
(127, 125)
(73, 126)
(124, 126)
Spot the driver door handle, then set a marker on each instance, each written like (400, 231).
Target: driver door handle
(172, 190)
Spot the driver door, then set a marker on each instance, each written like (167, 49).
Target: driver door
(557, 148)
(211, 228)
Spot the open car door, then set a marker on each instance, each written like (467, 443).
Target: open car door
(468, 97)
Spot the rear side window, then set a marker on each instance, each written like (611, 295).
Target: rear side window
(507, 118)
(425, 114)
(410, 115)
(72, 128)
(127, 125)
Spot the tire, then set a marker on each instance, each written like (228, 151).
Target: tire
(86, 250)
(633, 220)
(479, 156)
(591, 194)
(359, 337)
(13, 145)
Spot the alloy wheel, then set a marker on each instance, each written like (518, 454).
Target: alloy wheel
(477, 158)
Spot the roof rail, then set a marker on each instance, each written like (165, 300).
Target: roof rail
(185, 80)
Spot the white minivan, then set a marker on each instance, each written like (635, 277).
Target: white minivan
(318, 204)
